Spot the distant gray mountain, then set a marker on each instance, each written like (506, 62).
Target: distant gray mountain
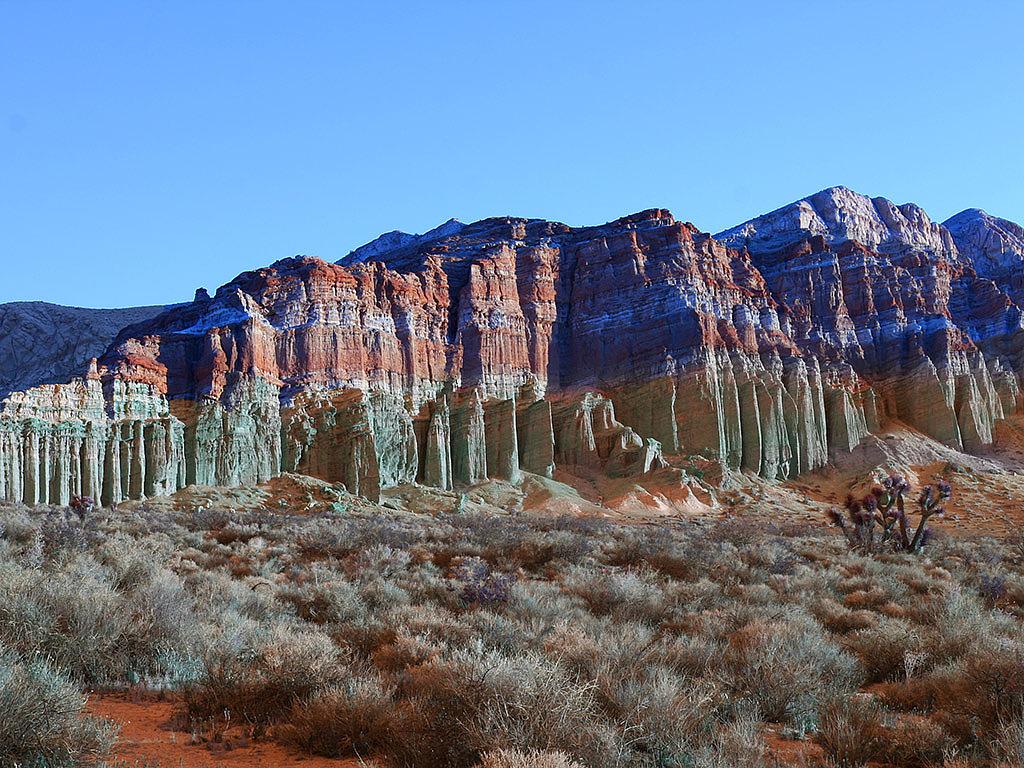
(44, 343)
(396, 240)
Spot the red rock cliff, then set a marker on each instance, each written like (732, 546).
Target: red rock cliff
(483, 349)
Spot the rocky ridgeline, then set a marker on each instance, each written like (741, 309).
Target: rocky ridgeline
(509, 345)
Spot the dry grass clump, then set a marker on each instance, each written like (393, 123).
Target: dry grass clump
(915, 742)
(841, 620)
(104, 616)
(512, 758)
(463, 639)
(850, 731)
(257, 675)
(350, 719)
(982, 693)
(478, 700)
(786, 669)
(887, 649)
(1009, 747)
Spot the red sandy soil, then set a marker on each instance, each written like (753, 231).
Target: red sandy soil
(152, 737)
(784, 751)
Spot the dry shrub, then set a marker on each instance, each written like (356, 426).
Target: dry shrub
(850, 731)
(914, 742)
(912, 695)
(691, 655)
(259, 677)
(539, 549)
(356, 718)
(982, 693)
(333, 537)
(101, 623)
(623, 595)
(479, 701)
(866, 598)
(958, 620)
(737, 745)
(329, 601)
(855, 580)
(365, 639)
(883, 649)
(404, 651)
(669, 717)
(617, 646)
(630, 548)
(837, 618)
(43, 720)
(514, 758)
(786, 668)
(1009, 747)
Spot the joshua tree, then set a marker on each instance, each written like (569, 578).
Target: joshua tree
(82, 506)
(884, 509)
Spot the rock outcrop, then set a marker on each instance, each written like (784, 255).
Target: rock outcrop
(508, 345)
(331, 437)
(588, 437)
(57, 441)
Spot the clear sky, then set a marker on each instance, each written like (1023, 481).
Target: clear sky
(147, 148)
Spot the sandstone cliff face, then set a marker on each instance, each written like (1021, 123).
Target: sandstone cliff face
(890, 292)
(484, 350)
(57, 441)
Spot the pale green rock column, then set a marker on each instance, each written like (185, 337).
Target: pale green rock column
(330, 437)
(395, 439)
(502, 440)
(469, 440)
(437, 460)
(536, 438)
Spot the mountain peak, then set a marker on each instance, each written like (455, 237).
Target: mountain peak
(838, 214)
(995, 246)
(396, 239)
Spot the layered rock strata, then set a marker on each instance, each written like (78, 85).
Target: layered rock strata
(934, 340)
(59, 441)
(509, 345)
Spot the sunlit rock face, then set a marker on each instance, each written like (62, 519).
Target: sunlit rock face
(82, 438)
(510, 345)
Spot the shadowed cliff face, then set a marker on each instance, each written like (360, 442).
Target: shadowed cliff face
(507, 345)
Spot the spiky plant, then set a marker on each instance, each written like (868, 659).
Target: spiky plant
(879, 520)
(82, 505)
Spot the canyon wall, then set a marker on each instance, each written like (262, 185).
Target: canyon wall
(510, 345)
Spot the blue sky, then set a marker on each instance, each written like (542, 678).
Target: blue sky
(149, 148)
